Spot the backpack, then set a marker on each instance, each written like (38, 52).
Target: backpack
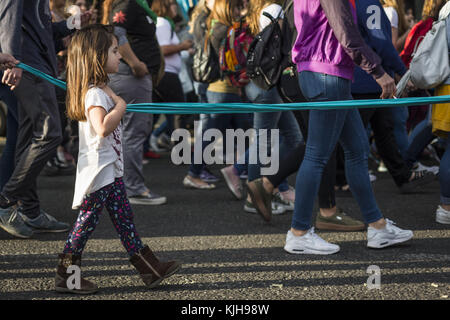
(205, 62)
(265, 55)
(233, 53)
(430, 63)
(288, 85)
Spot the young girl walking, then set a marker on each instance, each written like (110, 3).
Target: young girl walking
(92, 55)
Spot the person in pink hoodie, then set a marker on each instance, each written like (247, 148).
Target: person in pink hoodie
(328, 46)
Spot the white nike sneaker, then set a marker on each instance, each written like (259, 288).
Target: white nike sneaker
(310, 243)
(442, 215)
(388, 236)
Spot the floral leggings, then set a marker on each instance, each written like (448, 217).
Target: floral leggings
(114, 197)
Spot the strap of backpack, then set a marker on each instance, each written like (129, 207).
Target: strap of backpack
(268, 15)
(287, 5)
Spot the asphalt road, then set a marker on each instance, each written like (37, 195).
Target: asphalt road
(230, 254)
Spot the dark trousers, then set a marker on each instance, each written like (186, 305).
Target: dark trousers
(38, 136)
(380, 120)
(7, 160)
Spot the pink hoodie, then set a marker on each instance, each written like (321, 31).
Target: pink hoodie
(328, 39)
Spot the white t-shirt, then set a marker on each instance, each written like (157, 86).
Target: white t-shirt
(100, 160)
(166, 37)
(392, 16)
(274, 10)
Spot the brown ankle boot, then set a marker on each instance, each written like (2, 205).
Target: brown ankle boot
(65, 261)
(151, 270)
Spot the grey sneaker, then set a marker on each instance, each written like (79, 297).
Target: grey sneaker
(151, 198)
(46, 223)
(11, 221)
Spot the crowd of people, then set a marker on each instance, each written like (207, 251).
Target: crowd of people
(142, 51)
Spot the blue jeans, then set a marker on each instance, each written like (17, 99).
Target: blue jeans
(284, 121)
(7, 160)
(326, 128)
(220, 122)
(444, 174)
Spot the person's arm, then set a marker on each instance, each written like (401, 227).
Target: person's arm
(164, 35)
(105, 123)
(345, 30)
(379, 38)
(138, 67)
(11, 13)
(170, 49)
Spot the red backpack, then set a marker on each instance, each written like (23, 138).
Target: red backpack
(233, 53)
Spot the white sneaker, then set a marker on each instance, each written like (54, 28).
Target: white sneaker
(310, 243)
(442, 215)
(388, 236)
(154, 144)
(421, 167)
(277, 208)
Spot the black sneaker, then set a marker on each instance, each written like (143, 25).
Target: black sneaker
(420, 178)
(45, 223)
(11, 221)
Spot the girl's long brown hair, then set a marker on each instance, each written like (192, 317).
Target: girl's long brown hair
(222, 12)
(107, 6)
(431, 9)
(86, 62)
(254, 13)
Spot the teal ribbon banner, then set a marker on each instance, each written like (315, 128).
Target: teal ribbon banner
(208, 108)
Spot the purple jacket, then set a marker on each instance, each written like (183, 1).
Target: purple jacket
(328, 40)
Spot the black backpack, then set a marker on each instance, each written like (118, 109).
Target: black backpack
(288, 86)
(265, 55)
(205, 62)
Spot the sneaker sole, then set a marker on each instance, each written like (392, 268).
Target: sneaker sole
(337, 227)
(254, 211)
(193, 185)
(388, 243)
(230, 186)
(310, 251)
(443, 220)
(35, 230)
(14, 233)
(149, 203)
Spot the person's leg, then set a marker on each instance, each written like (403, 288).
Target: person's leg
(7, 160)
(214, 121)
(420, 126)
(136, 127)
(121, 216)
(421, 140)
(39, 135)
(444, 176)
(382, 126)
(399, 117)
(87, 220)
(354, 141)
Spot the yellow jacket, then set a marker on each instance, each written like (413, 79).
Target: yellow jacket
(440, 116)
